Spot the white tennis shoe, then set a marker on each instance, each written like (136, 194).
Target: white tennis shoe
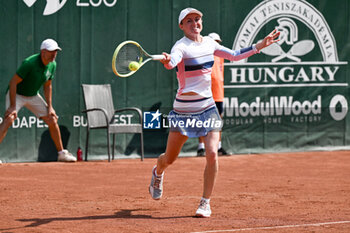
(203, 210)
(65, 156)
(156, 186)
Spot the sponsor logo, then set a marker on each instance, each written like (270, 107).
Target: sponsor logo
(338, 107)
(275, 106)
(289, 35)
(275, 109)
(193, 123)
(52, 6)
(157, 120)
(270, 10)
(151, 120)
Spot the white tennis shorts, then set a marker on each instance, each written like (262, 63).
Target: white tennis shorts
(197, 124)
(36, 104)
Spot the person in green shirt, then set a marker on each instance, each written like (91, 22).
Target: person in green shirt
(36, 71)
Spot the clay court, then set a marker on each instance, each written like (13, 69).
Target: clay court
(287, 192)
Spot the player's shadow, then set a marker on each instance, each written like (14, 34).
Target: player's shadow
(124, 213)
(47, 151)
(154, 139)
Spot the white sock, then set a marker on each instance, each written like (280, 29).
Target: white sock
(201, 145)
(219, 146)
(206, 200)
(155, 173)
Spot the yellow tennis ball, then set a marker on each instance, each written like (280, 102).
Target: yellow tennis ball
(133, 66)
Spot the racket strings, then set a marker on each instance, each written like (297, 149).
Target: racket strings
(127, 54)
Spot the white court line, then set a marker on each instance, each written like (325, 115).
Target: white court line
(277, 227)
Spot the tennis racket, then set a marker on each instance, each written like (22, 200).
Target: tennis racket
(128, 52)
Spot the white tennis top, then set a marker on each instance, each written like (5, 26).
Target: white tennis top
(194, 60)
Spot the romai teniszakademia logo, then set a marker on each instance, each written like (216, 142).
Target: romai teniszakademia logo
(306, 56)
(52, 6)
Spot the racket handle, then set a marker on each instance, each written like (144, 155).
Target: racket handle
(158, 57)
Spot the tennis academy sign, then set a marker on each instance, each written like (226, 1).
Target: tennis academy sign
(296, 85)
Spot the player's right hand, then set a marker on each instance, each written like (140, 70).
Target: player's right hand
(167, 58)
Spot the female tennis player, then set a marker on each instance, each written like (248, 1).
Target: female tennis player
(194, 112)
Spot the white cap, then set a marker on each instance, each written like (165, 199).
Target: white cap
(215, 36)
(50, 45)
(187, 11)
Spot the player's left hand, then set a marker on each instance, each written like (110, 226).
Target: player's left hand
(268, 40)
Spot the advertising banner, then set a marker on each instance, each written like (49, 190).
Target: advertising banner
(292, 96)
